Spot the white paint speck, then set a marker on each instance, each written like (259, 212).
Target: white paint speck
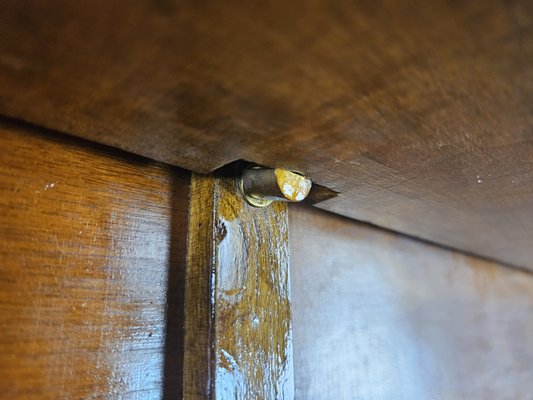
(288, 189)
(49, 186)
(478, 178)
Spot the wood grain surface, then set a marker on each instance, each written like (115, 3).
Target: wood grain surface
(418, 112)
(380, 316)
(238, 334)
(91, 270)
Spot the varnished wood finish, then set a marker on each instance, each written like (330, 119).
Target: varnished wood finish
(418, 112)
(238, 341)
(380, 316)
(91, 271)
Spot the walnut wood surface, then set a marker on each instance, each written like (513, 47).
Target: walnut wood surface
(418, 112)
(91, 271)
(238, 338)
(380, 316)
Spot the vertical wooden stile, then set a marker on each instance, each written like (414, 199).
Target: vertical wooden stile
(238, 340)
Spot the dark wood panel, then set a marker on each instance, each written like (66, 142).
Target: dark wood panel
(380, 316)
(91, 271)
(418, 112)
(238, 340)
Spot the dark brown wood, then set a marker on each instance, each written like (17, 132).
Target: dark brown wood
(380, 316)
(418, 112)
(91, 271)
(238, 340)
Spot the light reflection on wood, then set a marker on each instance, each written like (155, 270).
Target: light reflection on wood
(91, 246)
